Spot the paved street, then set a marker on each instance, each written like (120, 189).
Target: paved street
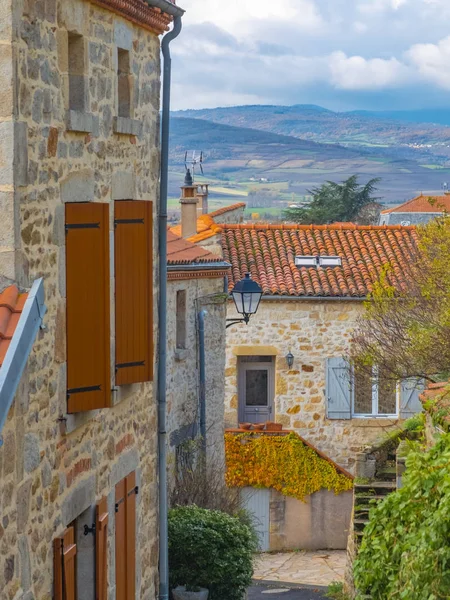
(301, 568)
(266, 592)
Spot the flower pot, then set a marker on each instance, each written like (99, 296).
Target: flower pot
(258, 426)
(274, 426)
(180, 593)
(245, 426)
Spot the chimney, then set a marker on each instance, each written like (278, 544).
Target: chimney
(202, 195)
(188, 203)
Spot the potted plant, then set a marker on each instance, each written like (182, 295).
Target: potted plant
(274, 426)
(190, 592)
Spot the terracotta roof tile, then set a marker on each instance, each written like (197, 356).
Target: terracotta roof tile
(268, 252)
(11, 306)
(422, 204)
(206, 226)
(139, 12)
(183, 252)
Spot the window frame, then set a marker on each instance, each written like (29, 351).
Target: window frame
(375, 399)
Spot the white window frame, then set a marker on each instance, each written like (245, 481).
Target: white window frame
(374, 414)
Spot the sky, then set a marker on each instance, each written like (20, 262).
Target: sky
(340, 54)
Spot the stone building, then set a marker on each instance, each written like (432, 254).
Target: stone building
(309, 311)
(418, 211)
(196, 300)
(79, 170)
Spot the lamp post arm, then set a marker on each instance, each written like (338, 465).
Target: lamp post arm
(231, 322)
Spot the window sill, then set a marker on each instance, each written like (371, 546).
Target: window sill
(374, 421)
(82, 122)
(76, 420)
(126, 126)
(181, 354)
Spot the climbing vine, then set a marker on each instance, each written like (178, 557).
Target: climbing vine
(405, 551)
(284, 463)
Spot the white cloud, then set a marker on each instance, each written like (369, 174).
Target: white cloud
(432, 61)
(358, 73)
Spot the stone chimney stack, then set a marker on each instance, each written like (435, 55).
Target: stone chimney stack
(202, 195)
(188, 203)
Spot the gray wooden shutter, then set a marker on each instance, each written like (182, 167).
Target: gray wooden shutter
(338, 389)
(410, 404)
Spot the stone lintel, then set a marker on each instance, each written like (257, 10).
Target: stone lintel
(126, 464)
(78, 500)
(123, 186)
(127, 126)
(79, 186)
(255, 351)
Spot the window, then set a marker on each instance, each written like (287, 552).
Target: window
(77, 80)
(83, 545)
(374, 396)
(125, 508)
(181, 319)
(350, 394)
(123, 83)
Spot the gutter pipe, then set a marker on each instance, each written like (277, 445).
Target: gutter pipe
(202, 359)
(314, 298)
(167, 7)
(162, 313)
(215, 266)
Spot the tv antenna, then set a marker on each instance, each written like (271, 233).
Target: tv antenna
(196, 161)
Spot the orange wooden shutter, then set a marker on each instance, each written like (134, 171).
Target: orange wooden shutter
(121, 539)
(101, 550)
(64, 553)
(131, 535)
(133, 222)
(88, 306)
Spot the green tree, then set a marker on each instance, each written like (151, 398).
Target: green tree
(339, 202)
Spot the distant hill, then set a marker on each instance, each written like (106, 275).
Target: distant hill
(409, 135)
(241, 157)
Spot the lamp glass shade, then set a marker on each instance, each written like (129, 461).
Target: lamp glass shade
(247, 295)
(290, 359)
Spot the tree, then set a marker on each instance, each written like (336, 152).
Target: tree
(339, 202)
(406, 332)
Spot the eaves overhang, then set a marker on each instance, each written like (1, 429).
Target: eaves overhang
(19, 349)
(167, 7)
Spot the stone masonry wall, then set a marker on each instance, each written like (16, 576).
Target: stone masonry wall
(183, 366)
(313, 331)
(51, 470)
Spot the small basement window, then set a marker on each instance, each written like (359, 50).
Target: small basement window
(77, 80)
(123, 83)
(318, 261)
(181, 319)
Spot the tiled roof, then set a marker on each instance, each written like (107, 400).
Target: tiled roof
(11, 306)
(206, 226)
(268, 252)
(422, 204)
(139, 12)
(182, 252)
(227, 209)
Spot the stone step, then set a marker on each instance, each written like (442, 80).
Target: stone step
(388, 485)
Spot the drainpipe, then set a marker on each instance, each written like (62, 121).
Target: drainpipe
(162, 311)
(202, 359)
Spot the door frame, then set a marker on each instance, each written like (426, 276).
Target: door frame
(259, 366)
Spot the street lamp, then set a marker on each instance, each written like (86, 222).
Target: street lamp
(247, 296)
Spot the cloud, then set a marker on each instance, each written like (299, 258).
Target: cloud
(358, 73)
(346, 53)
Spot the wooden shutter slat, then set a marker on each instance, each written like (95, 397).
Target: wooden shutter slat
(133, 255)
(131, 535)
(88, 306)
(101, 550)
(64, 553)
(120, 541)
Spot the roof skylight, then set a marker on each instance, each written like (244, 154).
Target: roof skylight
(318, 261)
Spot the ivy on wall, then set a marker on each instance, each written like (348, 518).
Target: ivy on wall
(284, 463)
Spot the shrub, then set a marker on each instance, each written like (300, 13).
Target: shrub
(210, 549)
(405, 551)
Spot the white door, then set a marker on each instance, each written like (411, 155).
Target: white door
(257, 502)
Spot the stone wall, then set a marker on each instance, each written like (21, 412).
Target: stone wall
(54, 466)
(313, 331)
(183, 366)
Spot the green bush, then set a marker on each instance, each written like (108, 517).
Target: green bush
(210, 549)
(405, 551)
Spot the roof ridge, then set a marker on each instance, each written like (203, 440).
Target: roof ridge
(225, 209)
(406, 204)
(299, 227)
